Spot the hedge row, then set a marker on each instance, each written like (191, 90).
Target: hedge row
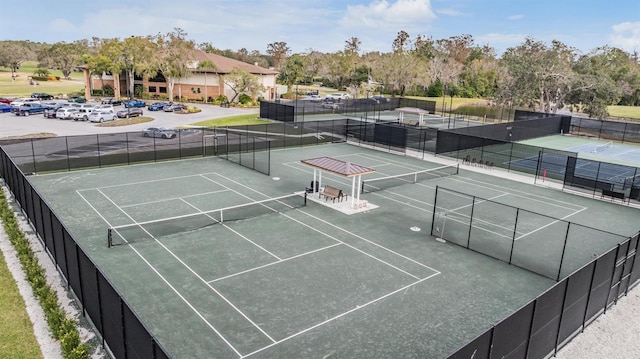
(62, 328)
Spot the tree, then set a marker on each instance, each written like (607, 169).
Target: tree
(353, 45)
(293, 71)
(537, 76)
(62, 56)
(206, 64)
(424, 47)
(278, 52)
(14, 53)
(456, 48)
(401, 41)
(338, 69)
(173, 57)
(444, 71)
(241, 81)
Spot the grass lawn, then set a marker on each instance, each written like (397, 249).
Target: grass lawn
(21, 88)
(624, 111)
(16, 331)
(239, 120)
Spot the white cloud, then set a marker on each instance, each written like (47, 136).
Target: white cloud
(450, 12)
(62, 26)
(384, 14)
(500, 42)
(515, 17)
(626, 35)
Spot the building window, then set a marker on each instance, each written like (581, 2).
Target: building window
(152, 89)
(163, 89)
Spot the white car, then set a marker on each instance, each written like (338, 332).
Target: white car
(337, 97)
(160, 132)
(313, 98)
(21, 101)
(102, 116)
(83, 112)
(66, 113)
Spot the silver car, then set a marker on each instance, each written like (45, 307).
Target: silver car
(66, 113)
(160, 132)
(102, 116)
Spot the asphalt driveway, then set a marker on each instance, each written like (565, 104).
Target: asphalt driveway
(12, 125)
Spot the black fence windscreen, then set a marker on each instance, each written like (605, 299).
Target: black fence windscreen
(117, 324)
(586, 286)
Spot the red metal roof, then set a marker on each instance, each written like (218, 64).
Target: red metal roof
(339, 167)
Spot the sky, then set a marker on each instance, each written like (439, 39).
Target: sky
(325, 25)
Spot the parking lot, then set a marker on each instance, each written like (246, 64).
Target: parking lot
(12, 125)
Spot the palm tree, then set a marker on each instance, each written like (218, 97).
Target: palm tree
(206, 64)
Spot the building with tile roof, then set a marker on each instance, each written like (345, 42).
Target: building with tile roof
(202, 83)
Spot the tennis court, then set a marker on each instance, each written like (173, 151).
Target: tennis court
(225, 262)
(590, 148)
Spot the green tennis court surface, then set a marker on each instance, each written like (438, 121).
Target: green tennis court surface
(281, 279)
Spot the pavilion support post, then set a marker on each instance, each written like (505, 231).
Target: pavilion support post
(315, 184)
(353, 191)
(319, 181)
(358, 190)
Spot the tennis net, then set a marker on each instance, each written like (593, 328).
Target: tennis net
(190, 223)
(381, 183)
(604, 147)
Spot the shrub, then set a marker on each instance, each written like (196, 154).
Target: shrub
(61, 327)
(107, 90)
(193, 109)
(220, 99)
(41, 72)
(244, 99)
(53, 78)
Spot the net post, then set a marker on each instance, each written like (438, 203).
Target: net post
(305, 197)
(109, 238)
(433, 213)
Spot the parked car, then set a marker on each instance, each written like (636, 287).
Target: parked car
(331, 105)
(103, 107)
(173, 108)
(313, 98)
(77, 99)
(28, 109)
(4, 107)
(66, 113)
(379, 99)
(84, 110)
(134, 103)
(129, 112)
(160, 132)
(50, 112)
(5, 100)
(111, 101)
(21, 101)
(337, 97)
(42, 96)
(102, 116)
(157, 106)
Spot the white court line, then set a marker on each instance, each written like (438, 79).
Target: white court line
(194, 273)
(408, 166)
(622, 153)
(227, 227)
(167, 282)
(346, 244)
(341, 315)
(274, 263)
(519, 194)
(143, 182)
(166, 199)
(549, 224)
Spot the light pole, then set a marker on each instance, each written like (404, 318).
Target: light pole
(444, 94)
